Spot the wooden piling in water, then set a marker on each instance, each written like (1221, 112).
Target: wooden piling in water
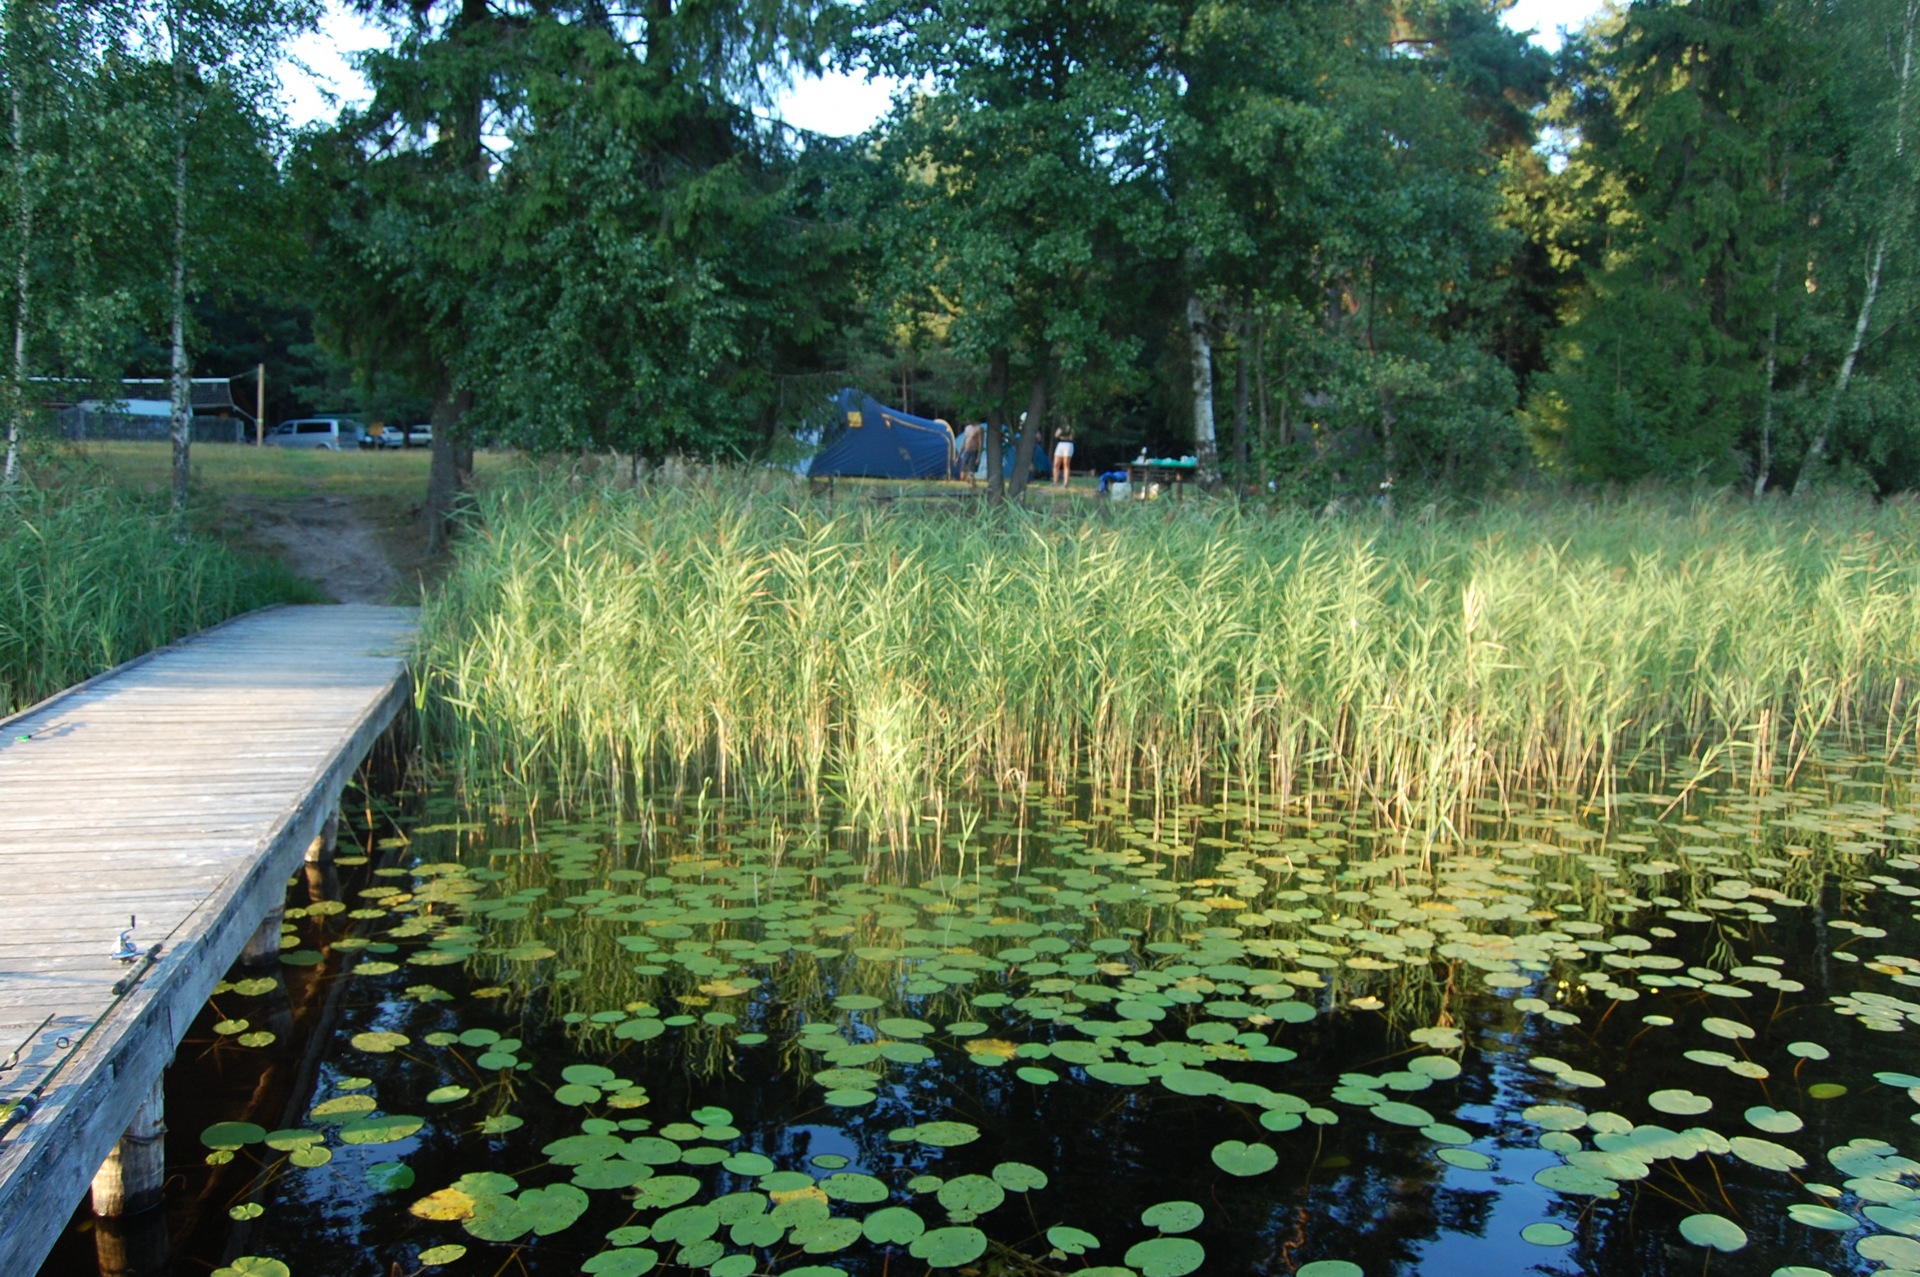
(129, 1181)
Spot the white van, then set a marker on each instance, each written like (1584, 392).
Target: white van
(331, 433)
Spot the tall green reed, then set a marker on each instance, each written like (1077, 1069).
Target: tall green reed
(599, 641)
(91, 576)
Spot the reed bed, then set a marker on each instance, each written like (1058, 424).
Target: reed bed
(602, 643)
(91, 575)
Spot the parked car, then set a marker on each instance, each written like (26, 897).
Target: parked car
(331, 433)
(381, 435)
(420, 436)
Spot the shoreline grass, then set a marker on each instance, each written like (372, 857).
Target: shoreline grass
(95, 575)
(597, 640)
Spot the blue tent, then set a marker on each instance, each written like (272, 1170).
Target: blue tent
(877, 442)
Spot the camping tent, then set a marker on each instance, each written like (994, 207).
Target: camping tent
(874, 441)
(877, 442)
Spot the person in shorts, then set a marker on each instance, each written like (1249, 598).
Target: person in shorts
(1062, 454)
(971, 441)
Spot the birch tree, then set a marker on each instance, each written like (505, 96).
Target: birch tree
(1877, 199)
(210, 48)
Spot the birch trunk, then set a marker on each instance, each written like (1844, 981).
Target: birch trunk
(23, 228)
(1206, 450)
(181, 383)
(1816, 450)
(1242, 400)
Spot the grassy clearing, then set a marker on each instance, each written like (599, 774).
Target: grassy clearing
(227, 470)
(590, 638)
(92, 574)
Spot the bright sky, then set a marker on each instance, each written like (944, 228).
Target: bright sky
(320, 78)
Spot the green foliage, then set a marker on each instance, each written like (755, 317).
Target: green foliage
(95, 576)
(640, 266)
(594, 634)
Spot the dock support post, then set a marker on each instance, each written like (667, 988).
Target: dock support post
(320, 850)
(132, 1247)
(129, 1181)
(264, 947)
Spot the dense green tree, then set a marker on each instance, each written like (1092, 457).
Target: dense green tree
(1001, 230)
(1700, 132)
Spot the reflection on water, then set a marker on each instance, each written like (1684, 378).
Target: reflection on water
(1262, 1036)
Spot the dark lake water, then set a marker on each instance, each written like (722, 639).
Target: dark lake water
(1261, 1035)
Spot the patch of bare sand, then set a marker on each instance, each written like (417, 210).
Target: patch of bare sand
(345, 548)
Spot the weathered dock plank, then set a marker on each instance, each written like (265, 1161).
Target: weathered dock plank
(182, 789)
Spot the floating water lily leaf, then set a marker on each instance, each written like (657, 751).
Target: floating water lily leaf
(665, 1191)
(850, 1186)
(686, 1225)
(1715, 1232)
(1466, 1159)
(1547, 1234)
(893, 1226)
(232, 1134)
(1826, 1091)
(254, 1266)
(1071, 1241)
(1766, 1154)
(627, 1261)
(746, 1162)
(1721, 1027)
(380, 1043)
(578, 1150)
(1679, 1102)
(447, 1094)
(389, 1177)
(937, 1134)
(825, 1235)
(248, 1210)
(501, 1123)
(850, 1099)
(444, 1204)
(1166, 1257)
(1402, 1114)
(1555, 1117)
(1807, 1050)
(970, 1195)
(434, 1256)
(1573, 1180)
(1821, 1217)
(949, 1247)
(1018, 1177)
(1330, 1268)
(1899, 1252)
(343, 1107)
(1173, 1217)
(381, 1130)
(1236, 1158)
(1772, 1120)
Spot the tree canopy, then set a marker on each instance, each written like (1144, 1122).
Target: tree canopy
(1329, 249)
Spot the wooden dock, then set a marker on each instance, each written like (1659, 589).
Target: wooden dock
(182, 789)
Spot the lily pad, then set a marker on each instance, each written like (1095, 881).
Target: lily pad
(1071, 1241)
(949, 1247)
(893, 1226)
(1679, 1102)
(1821, 1217)
(1166, 1257)
(1173, 1217)
(1547, 1234)
(1236, 1158)
(1716, 1232)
